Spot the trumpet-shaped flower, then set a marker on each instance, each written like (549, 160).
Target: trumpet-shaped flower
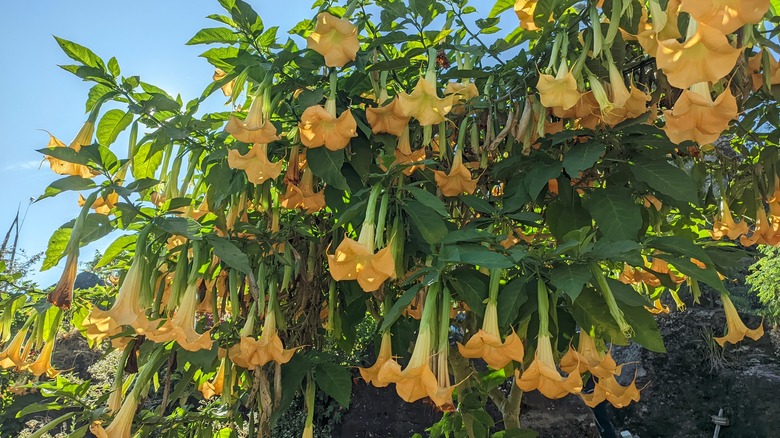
(736, 330)
(251, 353)
(101, 205)
(62, 295)
(227, 89)
(255, 163)
(460, 92)
(387, 119)
(83, 138)
(663, 27)
(424, 104)
(765, 231)
(181, 327)
(705, 56)
(726, 227)
(354, 260)
(335, 39)
(588, 358)
(371, 374)
(658, 307)
(320, 127)
(726, 15)
(101, 324)
(42, 364)
(255, 128)
(487, 344)
(211, 388)
(15, 353)
(559, 91)
(543, 375)
(404, 156)
(525, 10)
(458, 180)
(697, 117)
(303, 195)
(755, 66)
(610, 390)
(122, 424)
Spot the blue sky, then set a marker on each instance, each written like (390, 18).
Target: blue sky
(146, 36)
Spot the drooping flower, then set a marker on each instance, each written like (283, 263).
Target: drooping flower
(101, 205)
(736, 330)
(256, 128)
(726, 15)
(417, 380)
(227, 89)
(705, 56)
(181, 327)
(663, 27)
(755, 67)
(387, 119)
(101, 324)
(658, 307)
(559, 91)
(423, 103)
(371, 374)
(460, 92)
(588, 358)
(695, 116)
(525, 10)
(303, 195)
(250, 352)
(83, 138)
(486, 343)
(42, 364)
(211, 388)
(62, 295)
(726, 227)
(319, 126)
(404, 156)
(765, 231)
(335, 39)
(15, 353)
(458, 180)
(122, 424)
(611, 390)
(542, 374)
(255, 163)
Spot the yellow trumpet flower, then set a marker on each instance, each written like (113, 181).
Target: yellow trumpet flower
(227, 89)
(588, 358)
(387, 119)
(460, 92)
(726, 15)
(458, 180)
(610, 390)
(424, 104)
(404, 156)
(122, 424)
(736, 330)
(525, 10)
(251, 353)
(695, 116)
(356, 260)
(102, 206)
(726, 227)
(42, 365)
(559, 91)
(487, 344)
(62, 295)
(181, 327)
(255, 164)
(664, 26)
(15, 353)
(255, 128)
(319, 126)
(335, 39)
(303, 195)
(543, 375)
(705, 56)
(210, 389)
(371, 374)
(83, 138)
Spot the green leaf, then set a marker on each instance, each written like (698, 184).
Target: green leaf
(183, 226)
(617, 251)
(592, 314)
(427, 221)
(543, 11)
(708, 276)
(113, 67)
(293, 373)
(627, 294)
(80, 54)
(327, 165)
(229, 253)
(478, 204)
(55, 249)
(667, 179)
(679, 246)
(616, 214)
(115, 248)
(212, 35)
(95, 227)
(474, 254)
(393, 64)
(582, 157)
(501, 6)
(471, 287)
(69, 155)
(510, 298)
(335, 380)
(399, 306)
(67, 183)
(570, 279)
(429, 200)
(111, 125)
(145, 162)
(539, 175)
(645, 327)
